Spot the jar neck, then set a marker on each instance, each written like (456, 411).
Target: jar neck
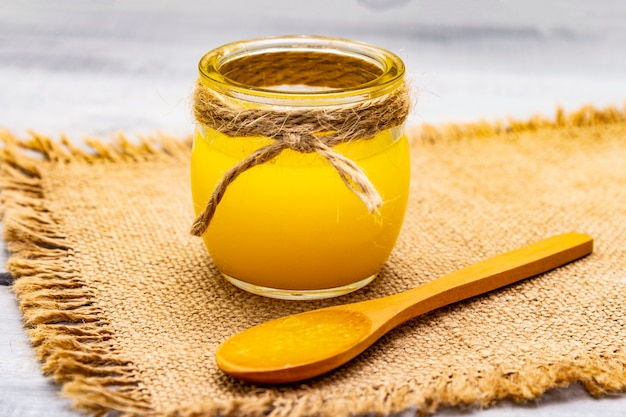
(301, 71)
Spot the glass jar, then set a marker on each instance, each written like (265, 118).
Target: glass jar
(297, 224)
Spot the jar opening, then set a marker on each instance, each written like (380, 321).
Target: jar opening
(305, 68)
(297, 67)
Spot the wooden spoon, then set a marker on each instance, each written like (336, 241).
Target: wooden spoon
(305, 345)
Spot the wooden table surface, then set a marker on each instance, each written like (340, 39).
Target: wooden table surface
(94, 68)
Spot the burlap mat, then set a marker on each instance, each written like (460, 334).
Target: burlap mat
(126, 310)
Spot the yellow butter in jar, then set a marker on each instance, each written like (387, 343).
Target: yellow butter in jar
(300, 167)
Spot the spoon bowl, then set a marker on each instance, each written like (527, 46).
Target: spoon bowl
(308, 344)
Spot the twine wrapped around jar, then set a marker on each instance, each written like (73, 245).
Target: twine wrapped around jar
(302, 129)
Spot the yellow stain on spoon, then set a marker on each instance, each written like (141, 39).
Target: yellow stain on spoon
(294, 341)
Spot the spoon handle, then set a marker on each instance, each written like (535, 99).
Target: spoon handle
(478, 278)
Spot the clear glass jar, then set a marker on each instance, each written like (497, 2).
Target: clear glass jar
(290, 227)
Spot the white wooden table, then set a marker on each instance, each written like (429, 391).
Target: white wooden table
(94, 68)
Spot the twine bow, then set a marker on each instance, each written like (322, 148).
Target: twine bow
(305, 130)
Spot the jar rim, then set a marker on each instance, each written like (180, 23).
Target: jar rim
(390, 66)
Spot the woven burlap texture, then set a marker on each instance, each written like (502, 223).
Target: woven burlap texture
(125, 308)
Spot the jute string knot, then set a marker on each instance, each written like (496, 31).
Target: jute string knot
(302, 129)
(298, 143)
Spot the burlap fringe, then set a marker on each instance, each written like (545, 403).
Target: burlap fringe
(76, 344)
(424, 397)
(71, 337)
(585, 116)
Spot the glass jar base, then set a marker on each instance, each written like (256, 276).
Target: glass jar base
(299, 294)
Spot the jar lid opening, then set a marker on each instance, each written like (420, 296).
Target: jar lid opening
(307, 68)
(292, 66)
